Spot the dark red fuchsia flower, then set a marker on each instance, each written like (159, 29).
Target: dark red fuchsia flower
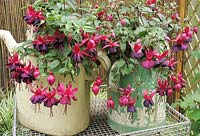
(58, 40)
(33, 17)
(67, 94)
(131, 105)
(163, 88)
(78, 54)
(27, 73)
(148, 99)
(110, 103)
(178, 81)
(38, 96)
(96, 86)
(14, 62)
(109, 17)
(149, 62)
(112, 46)
(175, 16)
(41, 43)
(137, 50)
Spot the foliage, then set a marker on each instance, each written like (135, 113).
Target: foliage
(6, 114)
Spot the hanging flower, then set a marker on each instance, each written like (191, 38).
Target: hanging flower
(131, 106)
(95, 89)
(162, 87)
(151, 2)
(14, 62)
(33, 17)
(58, 40)
(77, 54)
(98, 81)
(170, 63)
(137, 50)
(160, 58)
(149, 62)
(110, 103)
(179, 82)
(41, 44)
(112, 46)
(51, 78)
(38, 96)
(148, 101)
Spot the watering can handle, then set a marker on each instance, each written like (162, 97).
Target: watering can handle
(10, 42)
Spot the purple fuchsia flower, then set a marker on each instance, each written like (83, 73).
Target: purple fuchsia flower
(78, 54)
(160, 58)
(50, 100)
(14, 62)
(179, 82)
(149, 62)
(127, 91)
(33, 17)
(182, 39)
(131, 105)
(148, 99)
(38, 96)
(137, 50)
(169, 63)
(58, 40)
(112, 46)
(51, 78)
(67, 94)
(27, 73)
(41, 44)
(110, 103)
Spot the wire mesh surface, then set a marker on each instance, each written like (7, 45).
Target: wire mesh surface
(177, 124)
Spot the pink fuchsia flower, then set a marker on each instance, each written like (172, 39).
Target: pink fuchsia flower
(51, 78)
(14, 62)
(38, 96)
(110, 103)
(149, 62)
(131, 105)
(109, 17)
(148, 99)
(137, 50)
(179, 82)
(33, 17)
(124, 100)
(95, 89)
(127, 91)
(111, 46)
(67, 94)
(78, 54)
(151, 2)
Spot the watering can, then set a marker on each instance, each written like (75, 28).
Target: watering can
(78, 113)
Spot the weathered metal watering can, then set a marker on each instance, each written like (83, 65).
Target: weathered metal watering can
(77, 118)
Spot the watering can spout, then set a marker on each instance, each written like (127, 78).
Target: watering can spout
(8, 39)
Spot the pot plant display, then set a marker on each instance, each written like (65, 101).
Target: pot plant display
(136, 40)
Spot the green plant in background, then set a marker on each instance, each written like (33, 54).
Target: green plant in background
(6, 113)
(191, 103)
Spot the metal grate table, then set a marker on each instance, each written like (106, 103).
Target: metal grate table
(177, 124)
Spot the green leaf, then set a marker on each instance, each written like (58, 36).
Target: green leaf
(123, 46)
(89, 29)
(162, 17)
(63, 70)
(140, 30)
(195, 115)
(54, 64)
(72, 4)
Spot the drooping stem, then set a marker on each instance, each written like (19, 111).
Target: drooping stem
(65, 110)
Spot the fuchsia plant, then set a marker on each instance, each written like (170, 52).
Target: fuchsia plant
(135, 35)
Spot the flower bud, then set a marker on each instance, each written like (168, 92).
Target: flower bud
(110, 103)
(51, 78)
(195, 29)
(177, 87)
(95, 89)
(123, 22)
(36, 73)
(98, 81)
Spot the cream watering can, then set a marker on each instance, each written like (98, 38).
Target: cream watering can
(78, 113)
